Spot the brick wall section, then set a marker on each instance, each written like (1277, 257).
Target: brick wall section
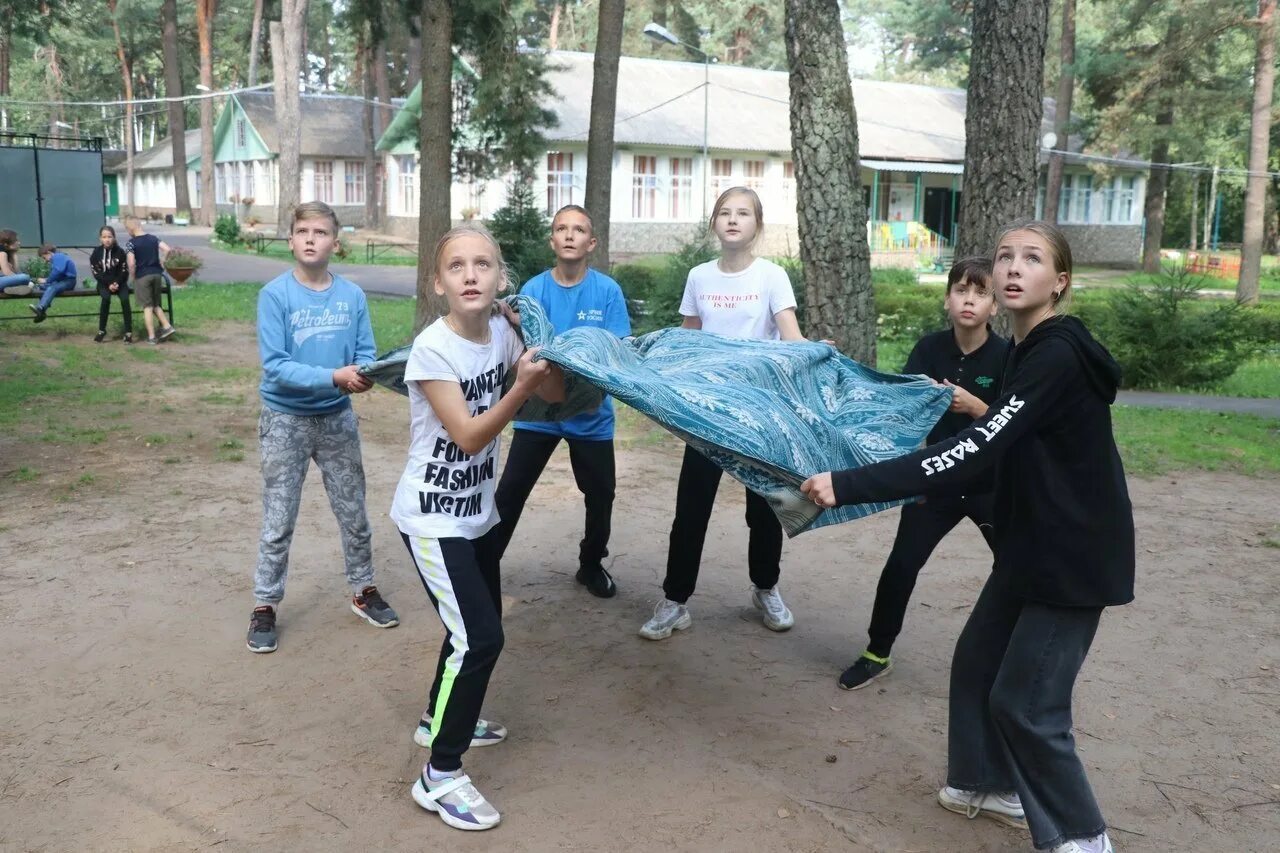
(1105, 245)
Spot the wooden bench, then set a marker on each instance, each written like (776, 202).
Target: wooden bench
(81, 292)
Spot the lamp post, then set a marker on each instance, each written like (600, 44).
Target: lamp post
(662, 35)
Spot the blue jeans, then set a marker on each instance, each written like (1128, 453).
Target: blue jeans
(14, 280)
(52, 289)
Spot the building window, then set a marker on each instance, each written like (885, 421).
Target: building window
(1120, 201)
(753, 174)
(246, 180)
(407, 166)
(1075, 202)
(644, 187)
(220, 183)
(353, 179)
(323, 179)
(681, 188)
(721, 178)
(559, 180)
(241, 134)
(261, 182)
(789, 186)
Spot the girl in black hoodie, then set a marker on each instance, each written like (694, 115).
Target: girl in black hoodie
(1064, 550)
(111, 270)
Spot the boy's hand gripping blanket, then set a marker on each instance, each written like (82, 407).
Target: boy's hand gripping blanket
(771, 414)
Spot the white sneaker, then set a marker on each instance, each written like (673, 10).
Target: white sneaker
(668, 616)
(1004, 806)
(486, 733)
(1097, 844)
(777, 617)
(456, 800)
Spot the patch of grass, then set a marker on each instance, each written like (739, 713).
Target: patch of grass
(389, 256)
(633, 429)
(156, 440)
(222, 398)
(73, 435)
(172, 460)
(1157, 441)
(24, 475)
(86, 480)
(232, 444)
(1257, 377)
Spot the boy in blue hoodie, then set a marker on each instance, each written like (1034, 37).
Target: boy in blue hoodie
(313, 333)
(62, 277)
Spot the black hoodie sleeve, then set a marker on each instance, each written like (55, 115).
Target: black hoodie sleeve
(1028, 397)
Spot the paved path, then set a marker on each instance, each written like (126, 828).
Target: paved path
(402, 281)
(1262, 406)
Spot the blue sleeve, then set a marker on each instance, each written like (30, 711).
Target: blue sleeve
(277, 365)
(616, 318)
(61, 268)
(366, 349)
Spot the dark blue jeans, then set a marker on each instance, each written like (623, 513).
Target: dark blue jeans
(51, 290)
(1012, 676)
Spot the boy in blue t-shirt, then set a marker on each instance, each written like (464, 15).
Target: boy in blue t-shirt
(62, 277)
(574, 295)
(313, 333)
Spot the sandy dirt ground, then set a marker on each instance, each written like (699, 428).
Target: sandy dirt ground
(133, 718)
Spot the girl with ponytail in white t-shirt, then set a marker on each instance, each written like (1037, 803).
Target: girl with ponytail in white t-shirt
(737, 295)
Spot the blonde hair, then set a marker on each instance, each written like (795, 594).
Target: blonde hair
(1059, 250)
(755, 205)
(314, 210)
(475, 230)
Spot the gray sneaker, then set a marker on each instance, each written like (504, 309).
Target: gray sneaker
(370, 606)
(486, 733)
(456, 800)
(167, 332)
(668, 616)
(1004, 807)
(262, 630)
(777, 616)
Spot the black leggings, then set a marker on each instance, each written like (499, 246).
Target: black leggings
(695, 497)
(104, 308)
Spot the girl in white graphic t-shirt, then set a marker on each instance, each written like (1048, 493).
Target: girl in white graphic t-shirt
(737, 295)
(444, 503)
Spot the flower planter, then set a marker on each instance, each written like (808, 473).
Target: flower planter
(180, 274)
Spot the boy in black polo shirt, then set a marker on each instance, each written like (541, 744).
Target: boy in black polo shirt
(970, 358)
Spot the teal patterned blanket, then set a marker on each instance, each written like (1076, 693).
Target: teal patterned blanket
(771, 414)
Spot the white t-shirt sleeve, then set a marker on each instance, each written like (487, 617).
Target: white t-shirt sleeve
(427, 363)
(513, 343)
(781, 294)
(689, 302)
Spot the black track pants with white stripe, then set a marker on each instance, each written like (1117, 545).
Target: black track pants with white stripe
(461, 577)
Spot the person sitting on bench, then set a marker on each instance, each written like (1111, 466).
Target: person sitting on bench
(62, 277)
(9, 275)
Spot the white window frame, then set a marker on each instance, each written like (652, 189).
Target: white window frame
(645, 188)
(322, 180)
(680, 188)
(407, 167)
(354, 184)
(559, 180)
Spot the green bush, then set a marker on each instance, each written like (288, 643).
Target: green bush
(36, 267)
(661, 304)
(795, 272)
(226, 230)
(894, 276)
(524, 234)
(636, 282)
(1164, 336)
(909, 311)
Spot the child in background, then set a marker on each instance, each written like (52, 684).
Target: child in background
(9, 275)
(740, 296)
(444, 504)
(969, 358)
(146, 254)
(110, 268)
(574, 295)
(1064, 546)
(61, 278)
(313, 333)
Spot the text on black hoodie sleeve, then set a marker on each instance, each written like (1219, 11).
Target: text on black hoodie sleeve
(1028, 396)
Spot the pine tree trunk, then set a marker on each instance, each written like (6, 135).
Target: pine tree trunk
(1264, 75)
(363, 54)
(553, 37)
(255, 42)
(604, 107)
(435, 171)
(286, 59)
(326, 13)
(413, 59)
(1157, 187)
(126, 74)
(205, 10)
(832, 216)
(1062, 113)
(1195, 209)
(177, 114)
(1002, 119)
(6, 59)
(382, 84)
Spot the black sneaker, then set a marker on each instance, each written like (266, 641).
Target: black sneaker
(865, 670)
(262, 630)
(597, 580)
(166, 333)
(370, 606)
(100, 337)
(39, 312)
(128, 337)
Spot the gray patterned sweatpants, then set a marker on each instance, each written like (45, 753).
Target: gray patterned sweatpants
(289, 443)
